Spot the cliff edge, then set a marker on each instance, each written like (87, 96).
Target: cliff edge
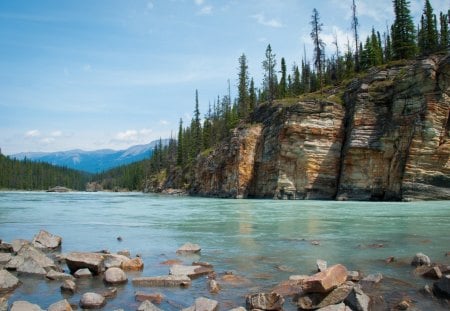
(386, 136)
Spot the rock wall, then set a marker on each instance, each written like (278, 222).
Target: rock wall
(389, 140)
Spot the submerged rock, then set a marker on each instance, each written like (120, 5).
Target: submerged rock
(8, 282)
(54, 275)
(190, 271)
(69, 286)
(92, 301)
(47, 241)
(148, 306)
(152, 297)
(213, 287)
(62, 305)
(420, 259)
(442, 287)
(163, 281)
(265, 301)
(189, 248)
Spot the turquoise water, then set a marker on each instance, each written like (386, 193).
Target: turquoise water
(264, 241)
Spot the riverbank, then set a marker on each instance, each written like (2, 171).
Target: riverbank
(95, 279)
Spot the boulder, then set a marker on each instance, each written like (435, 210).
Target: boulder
(326, 280)
(135, 264)
(190, 271)
(152, 297)
(30, 252)
(429, 272)
(213, 286)
(8, 282)
(264, 301)
(115, 276)
(31, 266)
(21, 305)
(420, 259)
(60, 276)
(203, 304)
(92, 261)
(148, 306)
(47, 241)
(92, 301)
(68, 286)
(4, 258)
(18, 243)
(312, 301)
(354, 276)
(62, 305)
(189, 248)
(83, 273)
(6, 248)
(371, 280)
(358, 300)
(163, 281)
(442, 287)
(114, 260)
(3, 304)
(288, 288)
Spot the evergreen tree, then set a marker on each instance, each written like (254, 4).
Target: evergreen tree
(444, 38)
(296, 84)
(319, 45)
(243, 96)
(196, 129)
(355, 25)
(282, 86)
(269, 74)
(428, 34)
(252, 95)
(403, 32)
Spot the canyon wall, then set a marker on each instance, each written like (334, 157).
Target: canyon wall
(385, 137)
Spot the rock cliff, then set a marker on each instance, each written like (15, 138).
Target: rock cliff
(386, 138)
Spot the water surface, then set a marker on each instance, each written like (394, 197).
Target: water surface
(264, 241)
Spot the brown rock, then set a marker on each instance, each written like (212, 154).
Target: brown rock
(288, 288)
(429, 272)
(235, 279)
(163, 281)
(47, 241)
(325, 281)
(83, 273)
(135, 264)
(213, 286)
(115, 276)
(92, 261)
(92, 301)
(402, 305)
(152, 297)
(265, 301)
(190, 271)
(54, 275)
(171, 262)
(68, 286)
(339, 307)
(311, 301)
(389, 259)
(24, 306)
(62, 305)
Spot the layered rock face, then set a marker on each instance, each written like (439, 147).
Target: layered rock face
(389, 140)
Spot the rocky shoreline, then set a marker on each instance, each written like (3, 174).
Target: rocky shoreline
(332, 288)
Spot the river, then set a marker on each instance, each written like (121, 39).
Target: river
(264, 241)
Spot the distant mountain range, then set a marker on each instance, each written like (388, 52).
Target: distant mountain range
(92, 161)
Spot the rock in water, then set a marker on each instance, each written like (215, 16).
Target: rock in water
(92, 301)
(321, 265)
(358, 300)
(189, 248)
(213, 287)
(24, 306)
(163, 281)
(47, 241)
(152, 297)
(3, 304)
(62, 305)
(265, 301)
(420, 259)
(8, 282)
(203, 304)
(83, 273)
(442, 287)
(135, 264)
(310, 301)
(148, 306)
(92, 261)
(325, 281)
(115, 276)
(68, 286)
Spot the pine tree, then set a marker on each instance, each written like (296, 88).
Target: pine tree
(355, 25)
(444, 38)
(180, 155)
(282, 87)
(252, 95)
(428, 34)
(269, 74)
(243, 106)
(196, 129)
(296, 84)
(319, 45)
(403, 31)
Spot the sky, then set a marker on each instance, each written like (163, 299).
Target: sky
(96, 74)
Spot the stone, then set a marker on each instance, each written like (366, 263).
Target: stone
(264, 301)
(371, 280)
(298, 277)
(203, 264)
(109, 292)
(83, 273)
(441, 288)
(358, 300)
(8, 282)
(135, 264)
(31, 266)
(420, 259)
(6, 248)
(311, 300)
(213, 286)
(389, 259)
(238, 309)
(190, 271)
(92, 301)
(47, 241)
(62, 305)
(68, 286)
(55, 275)
(21, 305)
(152, 297)
(339, 307)
(235, 279)
(148, 306)
(203, 304)
(115, 276)
(325, 281)
(3, 304)
(92, 261)
(4, 258)
(171, 262)
(353, 276)
(115, 260)
(124, 252)
(429, 272)
(321, 265)
(402, 305)
(37, 256)
(163, 281)
(18, 243)
(189, 248)
(288, 288)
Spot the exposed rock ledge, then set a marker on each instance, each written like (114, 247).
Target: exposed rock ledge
(390, 140)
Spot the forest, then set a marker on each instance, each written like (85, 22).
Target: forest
(172, 162)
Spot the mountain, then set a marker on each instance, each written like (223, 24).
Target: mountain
(92, 161)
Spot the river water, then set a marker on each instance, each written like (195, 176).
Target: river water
(264, 241)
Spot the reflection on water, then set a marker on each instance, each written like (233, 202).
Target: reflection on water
(262, 241)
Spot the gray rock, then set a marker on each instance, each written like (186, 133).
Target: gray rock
(420, 259)
(148, 306)
(92, 301)
(115, 260)
(8, 282)
(68, 286)
(125, 253)
(203, 304)
(371, 280)
(115, 276)
(28, 251)
(189, 248)
(55, 275)
(213, 287)
(31, 266)
(18, 243)
(265, 301)
(354, 276)
(321, 265)
(190, 271)
(238, 309)
(83, 273)
(312, 301)
(6, 248)
(62, 305)
(358, 300)
(3, 304)
(21, 305)
(46, 240)
(4, 258)
(442, 287)
(109, 293)
(92, 261)
(163, 281)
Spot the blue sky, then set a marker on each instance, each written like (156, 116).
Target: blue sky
(93, 74)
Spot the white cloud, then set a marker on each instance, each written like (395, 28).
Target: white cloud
(199, 2)
(47, 140)
(56, 133)
(206, 10)
(164, 122)
(133, 136)
(32, 133)
(261, 19)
